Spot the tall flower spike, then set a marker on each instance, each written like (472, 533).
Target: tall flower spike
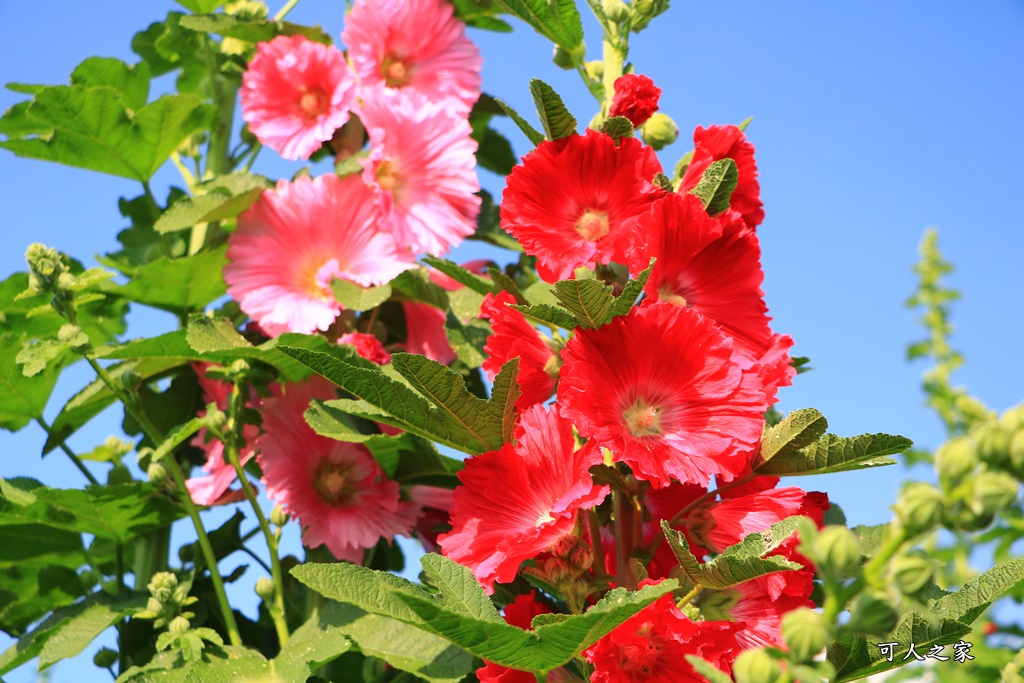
(295, 94)
(667, 392)
(573, 202)
(413, 46)
(422, 167)
(516, 502)
(296, 239)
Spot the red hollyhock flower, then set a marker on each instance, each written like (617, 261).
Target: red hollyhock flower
(573, 202)
(760, 605)
(651, 646)
(728, 142)
(367, 346)
(667, 392)
(513, 337)
(425, 333)
(729, 521)
(636, 98)
(516, 502)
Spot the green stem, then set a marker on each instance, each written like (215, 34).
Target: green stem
(283, 12)
(874, 570)
(685, 600)
(234, 429)
(64, 447)
(614, 52)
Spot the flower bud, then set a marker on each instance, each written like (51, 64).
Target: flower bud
(130, 380)
(659, 131)
(594, 69)
(157, 473)
(874, 614)
(919, 508)
(1012, 419)
(162, 586)
(1017, 453)
(278, 516)
(993, 444)
(66, 282)
(992, 492)
(968, 520)
(913, 573)
(756, 666)
(837, 551)
(954, 460)
(179, 625)
(616, 10)
(644, 8)
(265, 588)
(562, 59)
(805, 633)
(104, 658)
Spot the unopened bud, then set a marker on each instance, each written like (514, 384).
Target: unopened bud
(162, 585)
(659, 131)
(992, 492)
(179, 625)
(66, 282)
(913, 573)
(562, 59)
(157, 473)
(69, 333)
(594, 69)
(556, 571)
(874, 614)
(993, 444)
(955, 459)
(265, 588)
(1012, 419)
(805, 633)
(616, 10)
(104, 658)
(837, 551)
(130, 380)
(644, 8)
(1017, 453)
(966, 519)
(278, 516)
(919, 508)
(756, 666)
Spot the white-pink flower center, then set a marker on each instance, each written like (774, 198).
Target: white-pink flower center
(592, 225)
(642, 418)
(313, 102)
(394, 72)
(334, 483)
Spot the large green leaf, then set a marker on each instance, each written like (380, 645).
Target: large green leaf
(557, 20)
(534, 136)
(226, 664)
(252, 30)
(461, 275)
(832, 453)
(201, 6)
(132, 82)
(358, 298)
(738, 563)
(717, 185)
(22, 398)
(179, 285)
(117, 512)
(480, 14)
(68, 631)
(222, 198)
(799, 429)
(554, 116)
(460, 614)
(92, 128)
(590, 301)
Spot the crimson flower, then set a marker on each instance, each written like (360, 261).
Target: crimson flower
(636, 98)
(513, 337)
(728, 142)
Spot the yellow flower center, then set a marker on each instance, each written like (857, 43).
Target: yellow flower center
(642, 418)
(333, 484)
(592, 225)
(670, 296)
(387, 177)
(313, 102)
(394, 71)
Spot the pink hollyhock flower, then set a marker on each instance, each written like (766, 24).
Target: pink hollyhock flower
(573, 202)
(335, 489)
(727, 142)
(427, 190)
(512, 337)
(295, 94)
(667, 392)
(367, 346)
(214, 487)
(425, 333)
(636, 98)
(651, 646)
(296, 239)
(514, 503)
(436, 504)
(413, 46)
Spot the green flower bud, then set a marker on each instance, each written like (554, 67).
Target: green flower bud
(595, 69)
(837, 551)
(562, 59)
(215, 417)
(968, 520)
(1017, 453)
(913, 572)
(90, 577)
(616, 10)
(69, 333)
(1012, 419)
(805, 633)
(659, 131)
(919, 508)
(104, 658)
(873, 614)
(992, 492)
(278, 516)
(162, 586)
(186, 553)
(179, 625)
(756, 666)
(66, 282)
(130, 380)
(993, 444)
(265, 588)
(644, 8)
(954, 460)
(157, 473)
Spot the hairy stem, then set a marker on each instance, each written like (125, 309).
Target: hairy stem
(67, 451)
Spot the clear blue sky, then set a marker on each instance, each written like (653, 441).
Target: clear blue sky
(873, 120)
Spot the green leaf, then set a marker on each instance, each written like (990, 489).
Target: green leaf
(456, 272)
(117, 512)
(68, 631)
(554, 116)
(531, 133)
(801, 428)
(201, 6)
(480, 14)
(416, 285)
(22, 398)
(179, 285)
(494, 152)
(976, 595)
(488, 225)
(132, 82)
(708, 670)
(590, 301)
(37, 354)
(556, 20)
(717, 185)
(467, 339)
(93, 129)
(459, 589)
(617, 127)
(832, 453)
(741, 562)
(631, 292)
(313, 644)
(552, 316)
(222, 198)
(226, 664)
(252, 30)
(358, 298)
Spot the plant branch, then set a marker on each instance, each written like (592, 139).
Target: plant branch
(64, 447)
